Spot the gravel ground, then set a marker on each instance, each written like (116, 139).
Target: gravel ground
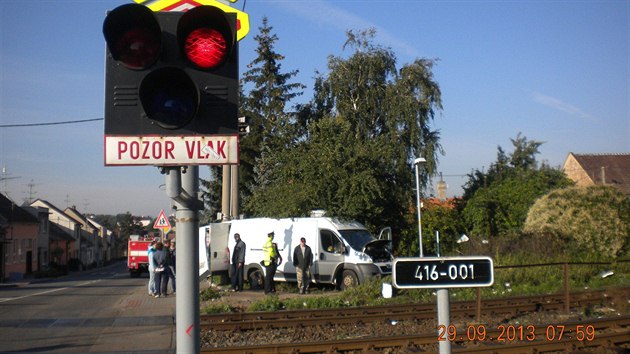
(339, 332)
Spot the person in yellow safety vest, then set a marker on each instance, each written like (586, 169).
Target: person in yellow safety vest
(269, 261)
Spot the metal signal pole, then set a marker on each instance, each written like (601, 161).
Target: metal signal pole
(182, 185)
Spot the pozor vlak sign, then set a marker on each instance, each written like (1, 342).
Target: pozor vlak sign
(171, 150)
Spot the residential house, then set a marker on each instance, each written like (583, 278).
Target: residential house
(53, 243)
(91, 243)
(60, 245)
(599, 169)
(19, 232)
(68, 225)
(4, 226)
(105, 238)
(43, 237)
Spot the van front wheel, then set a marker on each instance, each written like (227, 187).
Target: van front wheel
(349, 279)
(256, 279)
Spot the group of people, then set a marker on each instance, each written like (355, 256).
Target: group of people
(302, 260)
(161, 267)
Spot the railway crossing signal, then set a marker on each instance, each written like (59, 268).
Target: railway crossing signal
(170, 74)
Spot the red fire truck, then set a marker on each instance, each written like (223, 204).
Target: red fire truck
(137, 256)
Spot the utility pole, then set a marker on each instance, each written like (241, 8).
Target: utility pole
(225, 192)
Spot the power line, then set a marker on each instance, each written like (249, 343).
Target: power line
(52, 123)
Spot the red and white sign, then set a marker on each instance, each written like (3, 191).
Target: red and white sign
(162, 222)
(171, 150)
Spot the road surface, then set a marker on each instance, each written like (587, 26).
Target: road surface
(98, 311)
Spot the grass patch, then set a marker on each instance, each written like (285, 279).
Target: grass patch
(509, 281)
(209, 294)
(214, 308)
(269, 303)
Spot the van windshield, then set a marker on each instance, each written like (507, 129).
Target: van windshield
(357, 238)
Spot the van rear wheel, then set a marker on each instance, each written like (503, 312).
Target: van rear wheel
(349, 280)
(256, 279)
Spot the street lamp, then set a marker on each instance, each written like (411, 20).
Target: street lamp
(416, 162)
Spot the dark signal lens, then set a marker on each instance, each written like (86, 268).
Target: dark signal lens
(169, 97)
(206, 47)
(137, 48)
(133, 36)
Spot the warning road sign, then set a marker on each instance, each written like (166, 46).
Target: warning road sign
(162, 222)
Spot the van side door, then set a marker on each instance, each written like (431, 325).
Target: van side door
(330, 255)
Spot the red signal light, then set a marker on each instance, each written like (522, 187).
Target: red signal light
(206, 37)
(206, 47)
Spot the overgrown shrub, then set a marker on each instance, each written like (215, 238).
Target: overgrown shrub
(591, 221)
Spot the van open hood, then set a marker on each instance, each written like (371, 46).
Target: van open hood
(379, 250)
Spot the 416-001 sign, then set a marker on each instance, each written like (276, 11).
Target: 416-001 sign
(443, 272)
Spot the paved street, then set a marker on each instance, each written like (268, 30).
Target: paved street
(98, 311)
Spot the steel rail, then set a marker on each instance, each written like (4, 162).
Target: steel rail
(302, 318)
(609, 332)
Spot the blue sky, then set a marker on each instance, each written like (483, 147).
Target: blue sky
(556, 71)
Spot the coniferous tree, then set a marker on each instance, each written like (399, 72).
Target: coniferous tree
(265, 93)
(269, 91)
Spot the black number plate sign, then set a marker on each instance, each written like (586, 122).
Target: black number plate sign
(443, 272)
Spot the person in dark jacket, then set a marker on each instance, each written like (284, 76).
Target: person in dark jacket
(238, 263)
(302, 260)
(169, 248)
(160, 261)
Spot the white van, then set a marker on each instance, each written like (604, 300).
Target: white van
(344, 252)
(214, 249)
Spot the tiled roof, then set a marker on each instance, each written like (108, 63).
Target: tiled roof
(612, 169)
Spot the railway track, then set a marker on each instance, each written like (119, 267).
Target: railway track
(611, 334)
(413, 328)
(463, 309)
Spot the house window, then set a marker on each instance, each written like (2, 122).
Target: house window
(42, 225)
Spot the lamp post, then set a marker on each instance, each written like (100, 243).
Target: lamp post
(416, 162)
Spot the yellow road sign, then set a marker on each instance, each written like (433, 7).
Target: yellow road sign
(242, 18)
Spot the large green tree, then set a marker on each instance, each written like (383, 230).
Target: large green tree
(356, 140)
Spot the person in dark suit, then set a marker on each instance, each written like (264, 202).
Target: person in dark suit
(303, 260)
(238, 263)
